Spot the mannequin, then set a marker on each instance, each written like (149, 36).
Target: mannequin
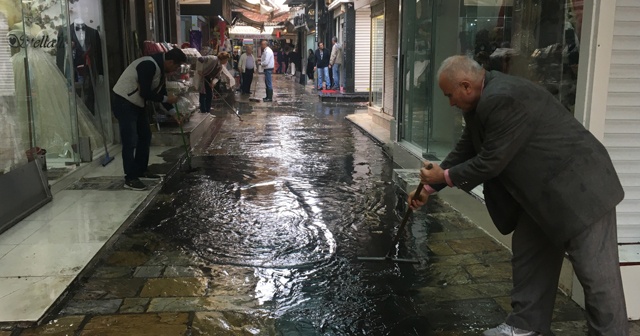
(86, 52)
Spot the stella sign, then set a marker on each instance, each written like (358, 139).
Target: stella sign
(22, 41)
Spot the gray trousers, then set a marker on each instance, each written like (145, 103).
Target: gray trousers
(536, 269)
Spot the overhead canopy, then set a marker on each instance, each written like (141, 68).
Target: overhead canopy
(298, 2)
(256, 6)
(248, 32)
(255, 24)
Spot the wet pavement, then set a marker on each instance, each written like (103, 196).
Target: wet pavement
(262, 238)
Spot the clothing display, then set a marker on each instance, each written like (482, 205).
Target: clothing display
(86, 52)
(52, 119)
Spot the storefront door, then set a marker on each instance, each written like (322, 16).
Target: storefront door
(416, 73)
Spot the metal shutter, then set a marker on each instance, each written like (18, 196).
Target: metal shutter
(362, 45)
(622, 124)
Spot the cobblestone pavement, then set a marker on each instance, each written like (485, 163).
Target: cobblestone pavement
(151, 282)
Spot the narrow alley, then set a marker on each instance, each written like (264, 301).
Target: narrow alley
(262, 238)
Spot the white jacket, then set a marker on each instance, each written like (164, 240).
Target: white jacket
(267, 59)
(127, 86)
(242, 63)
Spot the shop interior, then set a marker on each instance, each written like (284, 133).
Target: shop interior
(535, 39)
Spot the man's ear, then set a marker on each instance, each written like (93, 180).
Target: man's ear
(466, 85)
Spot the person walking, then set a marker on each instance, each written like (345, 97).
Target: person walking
(335, 63)
(311, 64)
(322, 67)
(267, 66)
(284, 63)
(247, 65)
(546, 179)
(277, 56)
(295, 62)
(143, 80)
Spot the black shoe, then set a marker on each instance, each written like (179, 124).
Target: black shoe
(151, 176)
(266, 100)
(134, 184)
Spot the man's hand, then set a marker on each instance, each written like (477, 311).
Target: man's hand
(435, 175)
(315, 68)
(417, 202)
(329, 66)
(178, 118)
(171, 99)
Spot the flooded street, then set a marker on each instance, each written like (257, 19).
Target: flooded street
(284, 202)
(262, 237)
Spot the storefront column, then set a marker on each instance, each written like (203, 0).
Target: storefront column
(595, 63)
(349, 37)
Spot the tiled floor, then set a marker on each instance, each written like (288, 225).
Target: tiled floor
(43, 254)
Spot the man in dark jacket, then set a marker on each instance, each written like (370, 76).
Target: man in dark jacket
(322, 66)
(143, 80)
(546, 179)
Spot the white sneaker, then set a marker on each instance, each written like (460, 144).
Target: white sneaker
(507, 330)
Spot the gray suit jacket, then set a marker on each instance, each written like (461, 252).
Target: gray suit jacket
(532, 155)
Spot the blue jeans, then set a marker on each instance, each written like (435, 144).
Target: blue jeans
(323, 75)
(135, 135)
(336, 76)
(267, 79)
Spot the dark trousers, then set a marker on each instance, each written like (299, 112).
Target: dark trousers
(135, 135)
(536, 269)
(205, 98)
(247, 78)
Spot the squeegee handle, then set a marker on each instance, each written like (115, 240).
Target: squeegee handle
(405, 219)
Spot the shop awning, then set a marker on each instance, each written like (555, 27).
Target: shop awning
(248, 32)
(260, 7)
(298, 2)
(255, 24)
(337, 3)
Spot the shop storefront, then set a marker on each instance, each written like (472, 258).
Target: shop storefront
(54, 93)
(535, 39)
(54, 101)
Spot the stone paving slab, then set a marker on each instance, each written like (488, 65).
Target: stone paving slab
(172, 287)
(91, 307)
(137, 324)
(95, 289)
(63, 326)
(134, 305)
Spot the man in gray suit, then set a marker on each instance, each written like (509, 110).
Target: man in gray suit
(546, 179)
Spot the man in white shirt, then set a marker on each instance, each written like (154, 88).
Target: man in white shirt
(267, 65)
(247, 65)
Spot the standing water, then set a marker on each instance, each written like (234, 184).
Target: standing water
(286, 200)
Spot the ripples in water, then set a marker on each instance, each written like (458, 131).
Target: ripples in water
(294, 201)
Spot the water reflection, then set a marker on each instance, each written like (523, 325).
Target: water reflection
(290, 197)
